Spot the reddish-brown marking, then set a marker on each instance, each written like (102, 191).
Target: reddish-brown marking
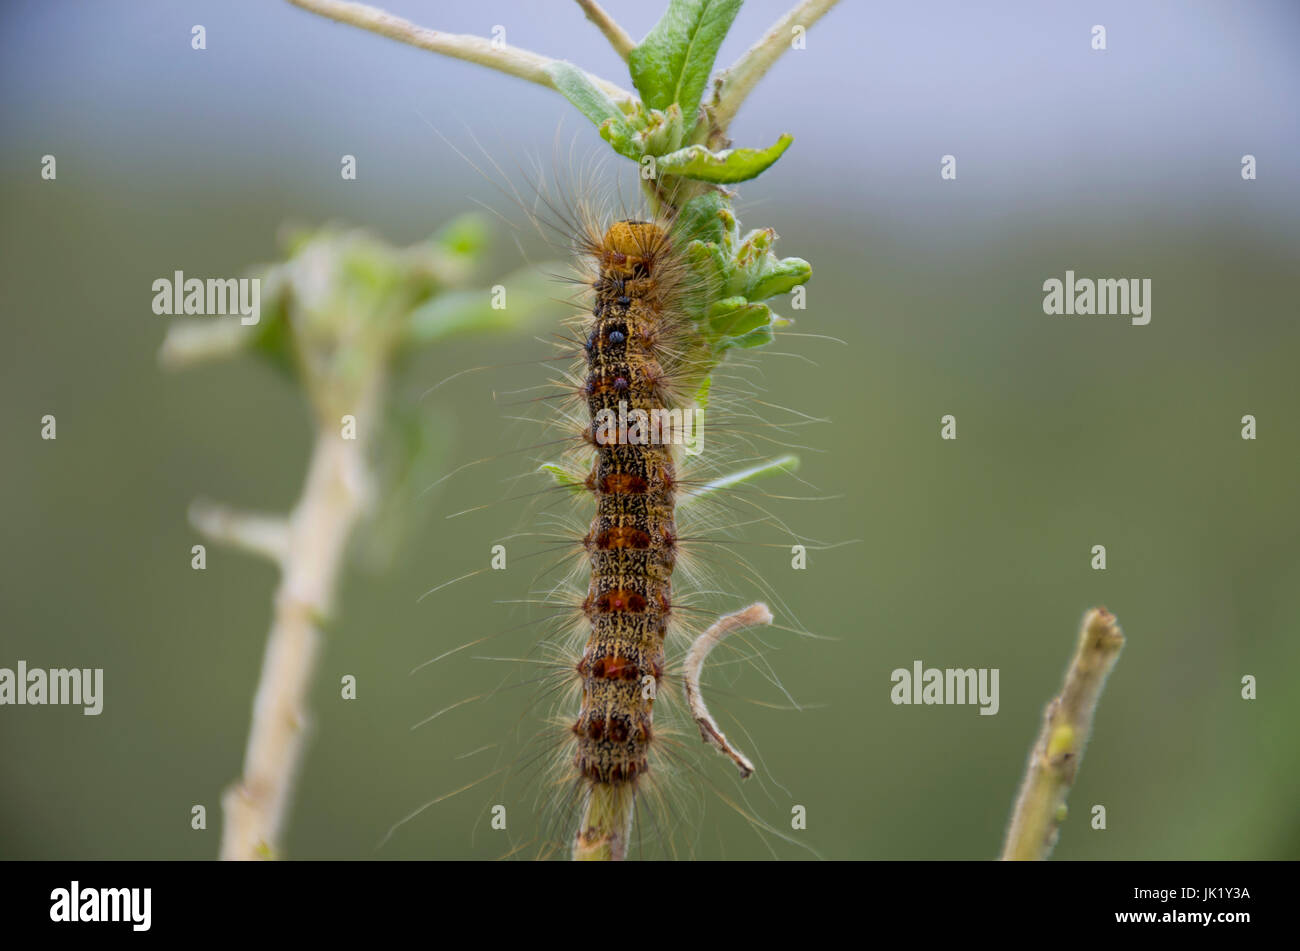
(618, 668)
(624, 483)
(623, 536)
(620, 600)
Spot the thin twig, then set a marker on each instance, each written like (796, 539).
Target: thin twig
(187, 344)
(617, 36)
(739, 81)
(751, 616)
(475, 49)
(1054, 760)
(265, 535)
(333, 497)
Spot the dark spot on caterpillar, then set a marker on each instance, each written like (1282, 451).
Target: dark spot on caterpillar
(622, 536)
(615, 668)
(620, 383)
(591, 343)
(620, 600)
(615, 336)
(624, 301)
(623, 483)
(617, 732)
(596, 728)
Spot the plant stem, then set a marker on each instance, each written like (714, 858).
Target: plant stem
(333, 497)
(1054, 760)
(739, 81)
(606, 824)
(475, 49)
(618, 38)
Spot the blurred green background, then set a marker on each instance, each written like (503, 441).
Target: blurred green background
(1072, 431)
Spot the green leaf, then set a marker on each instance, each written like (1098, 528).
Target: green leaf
(528, 296)
(468, 235)
(735, 317)
(663, 131)
(779, 277)
(702, 394)
(699, 220)
(272, 334)
(576, 86)
(732, 165)
(782, 464)
(673, 62)
(755, 338)
(621, 137)
(562, 476)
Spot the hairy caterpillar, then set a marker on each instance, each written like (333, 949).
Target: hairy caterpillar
(627, 720)
(632, 541)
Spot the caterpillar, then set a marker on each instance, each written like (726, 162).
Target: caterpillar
(621, 666)
(632, 541)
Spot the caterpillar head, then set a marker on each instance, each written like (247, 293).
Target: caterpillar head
(631, 245)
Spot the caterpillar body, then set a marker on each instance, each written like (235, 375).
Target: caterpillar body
(632, 541)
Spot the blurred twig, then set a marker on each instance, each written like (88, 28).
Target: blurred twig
(336, 315)
(333, 497)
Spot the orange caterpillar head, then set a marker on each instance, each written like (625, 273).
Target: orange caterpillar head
(630, 243)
